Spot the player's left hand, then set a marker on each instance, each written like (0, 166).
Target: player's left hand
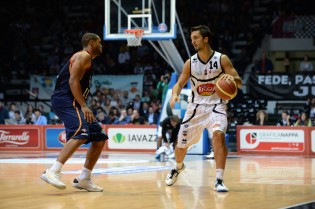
(88, 114)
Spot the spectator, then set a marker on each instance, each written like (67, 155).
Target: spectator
(29, 119)
(113, 115)
(285, 119)
(107, 106)
(146, 97)
(144, 109)
(165, 87)
(265, 65)
(94, 106)
(129, 111)
(39, 118)
(306, 65)
(136, 103)
(261, 118)
(125, 99)
(152, 117)
(136, 118)
(123, 119)
(97, 88)
(18, 117)
(115, 99)
(4, 113)
(154, 94)
(46, 114)
(101, 117)
(159, 109)
(310, 109)
(303, 120)
(29, 114)
(12, 110)
(160, 86)
(286, 63)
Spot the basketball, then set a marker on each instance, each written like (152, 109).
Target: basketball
(225, 89)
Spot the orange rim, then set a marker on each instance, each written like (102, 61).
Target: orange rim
(137, 32)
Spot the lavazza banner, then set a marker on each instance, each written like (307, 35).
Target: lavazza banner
(282, 86)
(132, 138)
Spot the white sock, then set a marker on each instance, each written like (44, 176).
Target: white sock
(85, 174)
(179, 166)
(56, 167)
(219, 173)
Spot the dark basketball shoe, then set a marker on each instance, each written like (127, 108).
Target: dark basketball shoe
(219, 186)
(172, 176)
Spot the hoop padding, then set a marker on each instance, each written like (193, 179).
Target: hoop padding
(134, 36)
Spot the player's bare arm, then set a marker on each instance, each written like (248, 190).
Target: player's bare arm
(82, 61)
(183, 79)
(230, 72)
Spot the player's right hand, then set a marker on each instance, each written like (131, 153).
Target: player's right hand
(227, 77)
(173, 100)
(88, 114)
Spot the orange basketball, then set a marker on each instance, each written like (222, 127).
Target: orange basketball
(225, 89)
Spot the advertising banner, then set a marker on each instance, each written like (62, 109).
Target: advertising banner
(25, 137)
(272, 139)
(282, 86)
(131, 137)
(55, 138)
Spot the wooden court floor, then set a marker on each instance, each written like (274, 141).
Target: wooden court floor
(137, 181)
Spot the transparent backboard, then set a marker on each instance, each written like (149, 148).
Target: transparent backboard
(155, 17)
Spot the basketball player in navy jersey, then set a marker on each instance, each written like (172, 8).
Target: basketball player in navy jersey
(69, 103)
(205, 109)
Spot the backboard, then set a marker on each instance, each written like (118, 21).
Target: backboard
(155, 17)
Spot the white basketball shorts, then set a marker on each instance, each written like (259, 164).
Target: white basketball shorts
(197, 118)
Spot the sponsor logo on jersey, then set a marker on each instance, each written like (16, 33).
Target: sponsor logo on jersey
(194, 60)
(206, 89)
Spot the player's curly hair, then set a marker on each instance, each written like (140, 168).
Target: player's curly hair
(87, 37)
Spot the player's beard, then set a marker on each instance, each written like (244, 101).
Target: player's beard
(197, 48)
(98, 51)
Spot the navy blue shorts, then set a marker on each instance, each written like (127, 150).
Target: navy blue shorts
(76, 126)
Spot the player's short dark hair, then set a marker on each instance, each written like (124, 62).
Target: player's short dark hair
(204, 31)
(174, 118)
(87, 37)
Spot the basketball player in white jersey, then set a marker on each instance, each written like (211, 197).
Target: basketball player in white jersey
(205, 108)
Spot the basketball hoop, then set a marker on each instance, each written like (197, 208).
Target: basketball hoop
(134, 36)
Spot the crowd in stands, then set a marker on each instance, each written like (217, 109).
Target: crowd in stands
(46, 35)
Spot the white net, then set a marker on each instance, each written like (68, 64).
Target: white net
(134, 37)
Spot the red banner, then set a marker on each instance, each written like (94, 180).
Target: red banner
(26, 137)
(277, 140)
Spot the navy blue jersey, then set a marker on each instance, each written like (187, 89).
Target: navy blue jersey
(69, 111)
(62, 83)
